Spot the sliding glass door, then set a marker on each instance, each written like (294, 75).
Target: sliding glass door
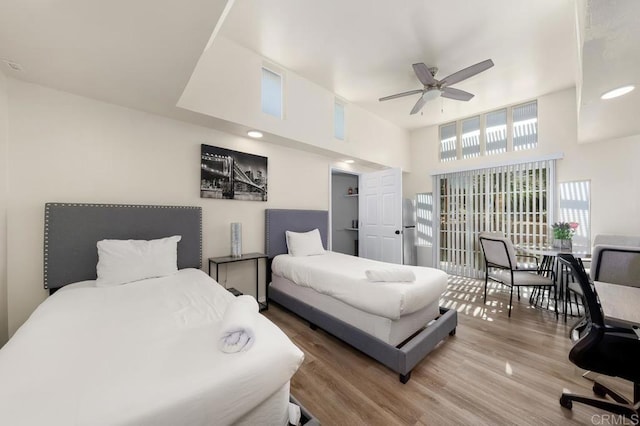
(514, 199)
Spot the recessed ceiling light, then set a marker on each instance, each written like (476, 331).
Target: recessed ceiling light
(349, 161)
(254, 134)
(617, 92)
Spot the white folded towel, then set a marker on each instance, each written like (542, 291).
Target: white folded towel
(237, 331)
(390, 275)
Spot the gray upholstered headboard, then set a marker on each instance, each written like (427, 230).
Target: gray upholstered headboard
(71, 232)
(277, 221)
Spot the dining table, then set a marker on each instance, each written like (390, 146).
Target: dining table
(549, 262)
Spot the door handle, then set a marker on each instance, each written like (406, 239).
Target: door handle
(397, 232)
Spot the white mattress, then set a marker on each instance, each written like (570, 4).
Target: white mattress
(390, 331)
(343, 277)
(144, 353)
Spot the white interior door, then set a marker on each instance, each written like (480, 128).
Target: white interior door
(380, 233)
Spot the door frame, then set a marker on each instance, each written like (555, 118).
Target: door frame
(333, 169)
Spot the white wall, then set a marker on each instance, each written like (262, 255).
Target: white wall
(4, 125)
(227, 84)
(612, 166)
(68, 148)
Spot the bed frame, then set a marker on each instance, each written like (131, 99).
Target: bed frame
(400, 359)
(72, 230)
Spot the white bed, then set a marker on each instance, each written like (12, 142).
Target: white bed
(336, 283)
(397, 323)
(143, 353)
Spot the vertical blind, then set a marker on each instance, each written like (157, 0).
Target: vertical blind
(515, 199)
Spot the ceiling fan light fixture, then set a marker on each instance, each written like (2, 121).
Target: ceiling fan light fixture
(620, 91)
(254, 134)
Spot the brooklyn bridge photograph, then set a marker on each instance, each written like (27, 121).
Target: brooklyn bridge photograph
(232, 175)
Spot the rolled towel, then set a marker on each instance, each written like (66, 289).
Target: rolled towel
(237, 330)
(390, 275)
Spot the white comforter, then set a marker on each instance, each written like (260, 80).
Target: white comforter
(343, 277)
(144, 353)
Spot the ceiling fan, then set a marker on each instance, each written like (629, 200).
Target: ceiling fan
(426, 76)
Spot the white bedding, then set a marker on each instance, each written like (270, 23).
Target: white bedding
(144, 353)
(343, 277)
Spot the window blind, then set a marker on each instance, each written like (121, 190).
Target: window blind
(515, 199)
(448, 142)
(575, 206)
(525, 126)
(496, 132)
(471, 137)
(424, 219)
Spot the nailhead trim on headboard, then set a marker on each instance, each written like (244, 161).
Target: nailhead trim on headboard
(141, 206)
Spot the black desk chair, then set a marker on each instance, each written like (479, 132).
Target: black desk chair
(613, 351)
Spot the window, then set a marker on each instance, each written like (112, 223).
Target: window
(271, 93)
(424, 219)
(496, 132)
(448, 142)
(471, 137)
(338, 121)
(575, 202)
(525, 126)
(512, 199)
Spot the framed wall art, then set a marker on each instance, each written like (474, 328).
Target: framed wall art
(232, 175)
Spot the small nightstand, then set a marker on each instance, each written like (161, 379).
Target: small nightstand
(249, 256)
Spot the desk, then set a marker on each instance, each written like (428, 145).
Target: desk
(249, 256)
(619, 302)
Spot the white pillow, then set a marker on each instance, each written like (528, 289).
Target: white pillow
(124, 261)
(304, 243)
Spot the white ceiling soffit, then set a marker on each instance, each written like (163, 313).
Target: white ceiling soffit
(133, 53)
(610, 59)
(363, 50)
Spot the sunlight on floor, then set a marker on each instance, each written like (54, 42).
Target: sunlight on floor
(466, 295)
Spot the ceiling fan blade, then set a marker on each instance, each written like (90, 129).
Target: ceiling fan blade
(424, 75)
(466, 73)
(399, 95)
(457, 94)
(418, 106)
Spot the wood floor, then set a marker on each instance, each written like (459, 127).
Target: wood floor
(495, 370)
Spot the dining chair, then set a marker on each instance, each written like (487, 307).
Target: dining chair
(501, 266)
(604, 349)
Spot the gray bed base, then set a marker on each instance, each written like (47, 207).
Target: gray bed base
(400, 359)
(71, 231)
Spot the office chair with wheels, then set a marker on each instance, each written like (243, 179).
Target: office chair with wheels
(613, 351)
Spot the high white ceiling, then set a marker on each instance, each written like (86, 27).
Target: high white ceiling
(363, 50)
(141, 53)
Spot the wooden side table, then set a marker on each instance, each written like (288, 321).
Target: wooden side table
(249, 256)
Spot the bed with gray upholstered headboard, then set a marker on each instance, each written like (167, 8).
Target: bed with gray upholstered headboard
(71, 231)
(401, 358)
(146, 342)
